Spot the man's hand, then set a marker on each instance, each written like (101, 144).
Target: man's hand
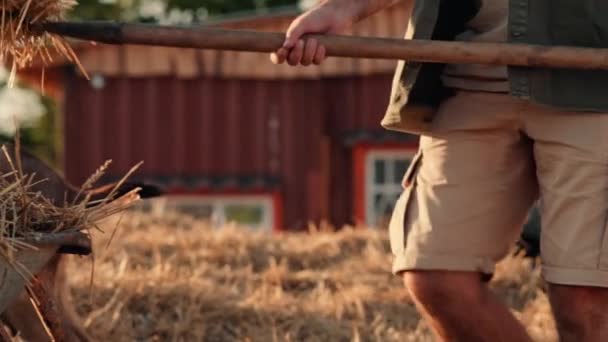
(331, 17)
(324, 18)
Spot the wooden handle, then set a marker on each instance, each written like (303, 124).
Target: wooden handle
(339, 46)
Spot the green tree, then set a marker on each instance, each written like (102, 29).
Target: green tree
(105, 10)
(129, 9)
(215, 7)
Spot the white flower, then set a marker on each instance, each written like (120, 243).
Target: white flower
(307, 4)
(153, 9)
(19, 106)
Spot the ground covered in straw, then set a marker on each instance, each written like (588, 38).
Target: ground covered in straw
(175, 279)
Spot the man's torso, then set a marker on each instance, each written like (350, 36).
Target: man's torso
(489, 25)
(420, 87)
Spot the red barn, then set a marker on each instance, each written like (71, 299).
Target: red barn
(231, 134)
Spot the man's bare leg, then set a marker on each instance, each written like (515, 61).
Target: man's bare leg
(458, 306)
(580, 312)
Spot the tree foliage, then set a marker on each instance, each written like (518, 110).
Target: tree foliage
(101, 10)
(130, 9)
(226, 6)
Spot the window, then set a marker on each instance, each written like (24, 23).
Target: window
(384, 171)
(252, 211)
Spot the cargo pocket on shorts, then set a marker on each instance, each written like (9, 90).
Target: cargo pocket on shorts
(397, 228)
(603, 262)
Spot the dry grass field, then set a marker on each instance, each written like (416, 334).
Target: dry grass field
(170, 278)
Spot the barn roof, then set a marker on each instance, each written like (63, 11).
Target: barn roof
(147, 61)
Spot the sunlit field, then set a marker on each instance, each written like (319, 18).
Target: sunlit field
(171, 278)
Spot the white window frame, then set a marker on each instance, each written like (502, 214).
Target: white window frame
(371, 188)
(219, 203)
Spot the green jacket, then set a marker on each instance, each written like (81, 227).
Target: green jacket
(417, 88)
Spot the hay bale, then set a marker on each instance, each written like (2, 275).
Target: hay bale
(20, 43)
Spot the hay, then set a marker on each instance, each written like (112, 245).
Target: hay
(26, 215)
(171, 278)
(20, 44)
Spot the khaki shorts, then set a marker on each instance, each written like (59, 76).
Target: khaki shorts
(485, 161)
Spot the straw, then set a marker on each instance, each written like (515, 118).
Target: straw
(25, 214)
(20, 45)
(170, 277)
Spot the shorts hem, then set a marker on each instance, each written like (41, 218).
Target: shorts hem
(575, 277)
(403, 263)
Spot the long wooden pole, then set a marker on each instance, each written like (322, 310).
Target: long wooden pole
(339, 46)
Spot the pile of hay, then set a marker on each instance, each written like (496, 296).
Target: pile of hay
(167, 277)
(20, 43)
(26, 215)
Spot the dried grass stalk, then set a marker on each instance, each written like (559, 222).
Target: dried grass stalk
(26, 214)
(20, 44)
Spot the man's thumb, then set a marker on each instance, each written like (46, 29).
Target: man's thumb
(293, 35)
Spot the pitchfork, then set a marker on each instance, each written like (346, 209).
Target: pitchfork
(430, 51)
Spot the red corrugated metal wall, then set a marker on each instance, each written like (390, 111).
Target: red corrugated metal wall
(206, 127)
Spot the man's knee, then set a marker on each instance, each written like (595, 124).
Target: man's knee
(440, 289)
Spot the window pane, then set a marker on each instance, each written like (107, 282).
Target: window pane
(379, 172)
(199, 211)
(400, 167)
(245, 214)
(377, 201)
(383, 208)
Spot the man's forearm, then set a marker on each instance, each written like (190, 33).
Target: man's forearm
(359, 9)
(370, 7)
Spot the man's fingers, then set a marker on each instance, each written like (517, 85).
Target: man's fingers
(295, 55)
(274, 58)
(294, 50)
(320, 55)
(310, 50)
(279, 57)
(293, 35)
(305, 53)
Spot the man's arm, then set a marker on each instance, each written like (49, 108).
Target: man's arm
(370, 7)
(329, 16)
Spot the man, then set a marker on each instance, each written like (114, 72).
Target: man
(492, 140)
